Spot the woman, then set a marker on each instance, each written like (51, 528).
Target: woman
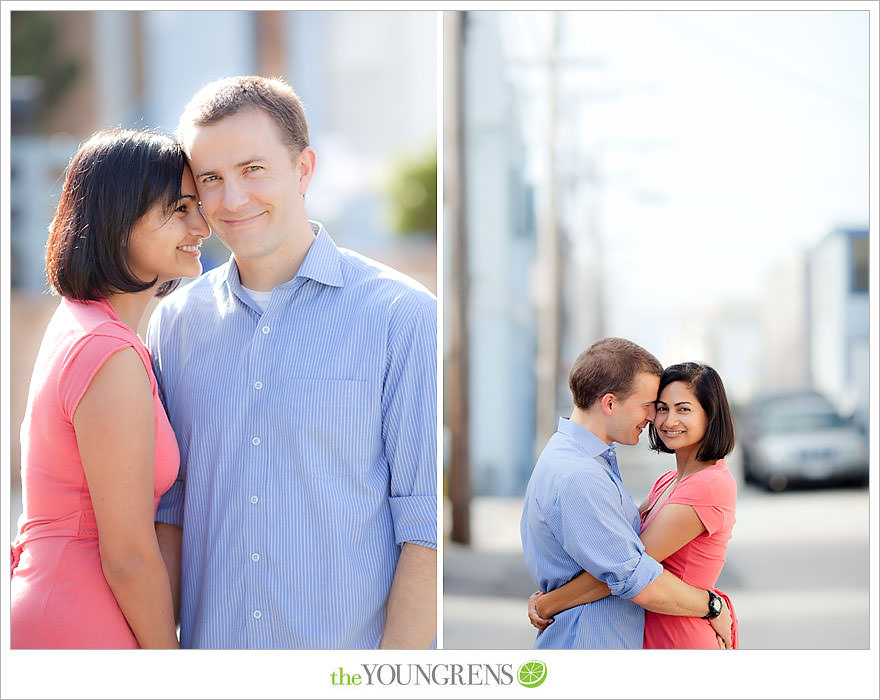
(688, 516)
(97, 448)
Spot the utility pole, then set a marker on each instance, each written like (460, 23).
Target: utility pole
(548, 288)
(456, 366)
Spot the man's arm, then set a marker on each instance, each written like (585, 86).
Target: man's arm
(409, 403)
(671, 529)
(170, 538)
(588, 505)
(412, 602)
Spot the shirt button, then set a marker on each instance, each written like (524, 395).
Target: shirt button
(255, 441)
(254, 500)
(255, 557)
(265, 330)
(257, 614)
(258, 385)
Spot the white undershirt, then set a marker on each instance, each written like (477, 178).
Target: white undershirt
(261, 299)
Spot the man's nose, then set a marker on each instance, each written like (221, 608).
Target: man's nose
(234, 196)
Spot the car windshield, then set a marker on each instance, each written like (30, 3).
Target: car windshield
(803, 421)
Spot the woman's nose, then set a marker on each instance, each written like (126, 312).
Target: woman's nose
(198, 226)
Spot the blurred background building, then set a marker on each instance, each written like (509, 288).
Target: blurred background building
(367, 80)
(694, 181)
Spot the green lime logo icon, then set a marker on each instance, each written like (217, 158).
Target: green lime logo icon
(532, 673)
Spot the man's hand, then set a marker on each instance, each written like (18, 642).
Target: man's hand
(722, 626)
(536, 620)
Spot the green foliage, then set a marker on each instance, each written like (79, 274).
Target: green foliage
(35, 51)
(413, 194)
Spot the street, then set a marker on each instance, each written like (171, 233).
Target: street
(797, 570)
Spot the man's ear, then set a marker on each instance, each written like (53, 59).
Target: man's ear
(305, 166)
(606, 403)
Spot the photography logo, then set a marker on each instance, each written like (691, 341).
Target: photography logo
(531, 674)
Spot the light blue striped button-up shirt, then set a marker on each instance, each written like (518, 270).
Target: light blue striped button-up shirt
(579, 517)
(307, 440)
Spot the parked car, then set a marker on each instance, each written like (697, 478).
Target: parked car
(799, 437)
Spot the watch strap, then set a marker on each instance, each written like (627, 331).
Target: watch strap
(715, 608)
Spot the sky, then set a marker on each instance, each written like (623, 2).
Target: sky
(724, 142)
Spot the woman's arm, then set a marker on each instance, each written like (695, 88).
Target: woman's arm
(583, 588)
(115, 430)
(673, 527)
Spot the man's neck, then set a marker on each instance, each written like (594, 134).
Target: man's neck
(263, 274)
(592, 420)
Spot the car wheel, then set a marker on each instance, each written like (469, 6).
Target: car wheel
(777, 482)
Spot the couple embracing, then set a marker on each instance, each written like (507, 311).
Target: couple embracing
(613, 575)
(263, 469)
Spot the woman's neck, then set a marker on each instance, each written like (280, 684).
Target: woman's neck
(130, 306)
(686, 462)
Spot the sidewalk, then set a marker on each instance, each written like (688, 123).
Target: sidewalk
(486, 586)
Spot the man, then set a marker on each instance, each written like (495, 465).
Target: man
(300, 380)
(579, 517)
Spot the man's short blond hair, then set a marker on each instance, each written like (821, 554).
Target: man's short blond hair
(609, 366)
(228, 96)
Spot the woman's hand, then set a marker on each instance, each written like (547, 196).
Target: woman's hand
(536, 620)
(723, 626)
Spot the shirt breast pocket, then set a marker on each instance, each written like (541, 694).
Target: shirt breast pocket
(332, 428)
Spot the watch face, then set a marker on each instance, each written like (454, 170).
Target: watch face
(716, 605)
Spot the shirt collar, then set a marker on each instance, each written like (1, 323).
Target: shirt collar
(588, 442)
(323, 263)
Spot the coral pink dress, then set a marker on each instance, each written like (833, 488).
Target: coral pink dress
(712, 493)
(60, 599)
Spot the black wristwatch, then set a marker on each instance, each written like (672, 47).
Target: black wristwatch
(715, 606)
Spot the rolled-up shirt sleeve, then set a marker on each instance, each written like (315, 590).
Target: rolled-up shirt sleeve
(409, 419)
(598, 536)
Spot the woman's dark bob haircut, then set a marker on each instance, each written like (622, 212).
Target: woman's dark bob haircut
(709, 390)
(114, 179)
